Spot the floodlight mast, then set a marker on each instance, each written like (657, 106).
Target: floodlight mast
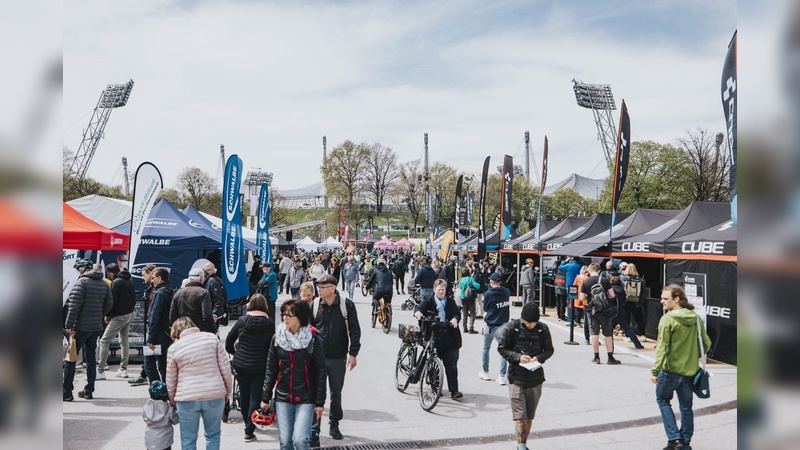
(113, 96)
(600, 100)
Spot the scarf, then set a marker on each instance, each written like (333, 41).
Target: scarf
(257, 313)
(291, 342)
(440, 304)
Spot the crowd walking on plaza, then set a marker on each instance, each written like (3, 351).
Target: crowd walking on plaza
(289, 367)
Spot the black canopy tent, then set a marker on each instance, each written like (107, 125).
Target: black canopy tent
(641, 221)
(705, 263)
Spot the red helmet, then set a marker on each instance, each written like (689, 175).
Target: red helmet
(262, 418)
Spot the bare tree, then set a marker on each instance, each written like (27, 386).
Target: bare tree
(343, 172)
(381, 172)
(196, 187)
(409, 191)
(710, 163)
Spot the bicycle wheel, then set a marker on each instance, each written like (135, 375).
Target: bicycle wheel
(430, 384)
(387, 319)
(374, 316)
(404, 367)
(364, 291)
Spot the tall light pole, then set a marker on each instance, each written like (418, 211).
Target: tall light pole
(600, 100)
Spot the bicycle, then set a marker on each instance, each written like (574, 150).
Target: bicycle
(382, 314)
(366, 291)
(426, 368)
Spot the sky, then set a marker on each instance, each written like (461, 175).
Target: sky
(269, 78)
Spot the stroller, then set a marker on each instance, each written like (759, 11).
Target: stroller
(413, 300)
(233, 403)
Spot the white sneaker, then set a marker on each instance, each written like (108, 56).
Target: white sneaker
(121, 373)
(100, 376)
(502, 380)
(484, 375)
(642, 339)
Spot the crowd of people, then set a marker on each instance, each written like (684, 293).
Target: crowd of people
(290, 366)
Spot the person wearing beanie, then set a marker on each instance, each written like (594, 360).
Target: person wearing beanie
(526, 344)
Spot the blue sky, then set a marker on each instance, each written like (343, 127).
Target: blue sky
(269, 79)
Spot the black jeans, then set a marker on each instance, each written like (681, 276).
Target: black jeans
(561, 306)
(468, 312)
(336, 370)
(635, 309)
(156, 366)
(280, 284)
(271, 311)
(250, 386)
(450, 360)
(400, 283)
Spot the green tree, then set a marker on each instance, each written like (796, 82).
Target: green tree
(659, 177)
(565, 203)
(524, 198)
(172, 196)
(343, 172)
(443, 179)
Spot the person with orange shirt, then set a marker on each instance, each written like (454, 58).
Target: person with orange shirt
(579, 304)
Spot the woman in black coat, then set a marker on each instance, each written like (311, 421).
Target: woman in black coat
(253, 331)
(449, 341)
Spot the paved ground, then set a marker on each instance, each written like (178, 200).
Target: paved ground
(583, 405)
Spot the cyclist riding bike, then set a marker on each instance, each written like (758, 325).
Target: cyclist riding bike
(380, 280)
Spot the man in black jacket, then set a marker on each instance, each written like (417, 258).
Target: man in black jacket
(118, 320)
(399, 270)
(341, 339)
(219, 299)
(380, 280)
(425, 278)
(158, 326)
(193, 301)
(521, 342)
(89, 301)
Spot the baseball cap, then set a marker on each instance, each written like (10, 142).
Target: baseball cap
(197, 272)
(623, 265)
(495, 277)
(327, 279)
(265, 264)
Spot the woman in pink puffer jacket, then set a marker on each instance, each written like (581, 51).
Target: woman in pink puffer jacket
(198, 381)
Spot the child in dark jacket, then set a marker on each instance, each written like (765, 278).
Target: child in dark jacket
(160, 417)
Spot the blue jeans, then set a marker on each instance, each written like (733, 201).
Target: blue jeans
(488, 336)
(294, 424)
(250, 386)
(668, 383)
(425, 292)
(351, 288)
(86, 341)
(295, 292)
(189, 414)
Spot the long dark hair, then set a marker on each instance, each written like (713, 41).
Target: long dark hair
(677, 291)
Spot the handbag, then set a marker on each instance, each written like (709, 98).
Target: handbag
(72, 351)
(702, 387)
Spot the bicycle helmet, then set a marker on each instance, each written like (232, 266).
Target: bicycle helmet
(380, 262)
(158, 391)
(83, 264)
(261, 418)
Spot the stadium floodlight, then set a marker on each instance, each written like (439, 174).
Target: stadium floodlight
(600, 99)
(116, 95)
(257, 178)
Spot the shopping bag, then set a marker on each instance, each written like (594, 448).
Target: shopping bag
(72, 350)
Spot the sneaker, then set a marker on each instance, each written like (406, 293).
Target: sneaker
(596, 360)
(588, 343)
(472, 331)
(313, 440)
(85, 394)
(640, 347)
(484, 375)
(567, 323)
(121, 373)
(613, 361)
(138, 381)
(456, 394)
(68, 397)
(674, 444)
(643, 339)
(249, 437)
(100, 376)
(502, 380)
(335, 433)
(627, 339)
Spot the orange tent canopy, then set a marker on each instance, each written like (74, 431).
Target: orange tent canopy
(82, 233)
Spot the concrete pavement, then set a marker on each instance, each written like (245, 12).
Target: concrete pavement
(583, 404)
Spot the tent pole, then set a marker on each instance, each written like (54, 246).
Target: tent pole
(518, 296)
(541, 283)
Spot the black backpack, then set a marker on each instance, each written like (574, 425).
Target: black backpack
(600, 301)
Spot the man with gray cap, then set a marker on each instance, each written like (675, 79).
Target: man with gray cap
(336, 320)
(193, 301)
(525, 341)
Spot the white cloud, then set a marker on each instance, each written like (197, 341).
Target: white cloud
(268, 80)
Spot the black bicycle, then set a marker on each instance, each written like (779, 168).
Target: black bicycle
(426, 368)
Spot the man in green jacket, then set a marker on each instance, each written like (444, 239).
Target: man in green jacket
(677, 355)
